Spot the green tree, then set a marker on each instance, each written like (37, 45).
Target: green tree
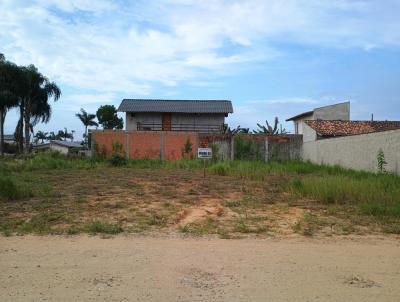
(107, 117)
(40, 135)
(8, 96)
(269, 129)
(64, 135)
(87, 120)
(35, 91)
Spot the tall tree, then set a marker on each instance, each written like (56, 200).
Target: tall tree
(36, 91)
(87, 120)
(8, 97)
(107, 117)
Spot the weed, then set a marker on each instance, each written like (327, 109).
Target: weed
(97, 226)
(242, 226)
(232, 203)
(208, 226)
(72, 231)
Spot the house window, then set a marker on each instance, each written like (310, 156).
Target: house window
(296, 127)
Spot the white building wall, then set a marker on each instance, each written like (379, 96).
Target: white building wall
(357, 152)
(58, 148)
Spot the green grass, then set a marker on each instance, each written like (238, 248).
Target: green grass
(11, 189)
(377, 195)
(98, 226)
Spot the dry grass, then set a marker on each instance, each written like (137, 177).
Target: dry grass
(110, 200)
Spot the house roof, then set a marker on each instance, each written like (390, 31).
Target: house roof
(66, 144)
(176, 106)
(301, 115)
(343, 128)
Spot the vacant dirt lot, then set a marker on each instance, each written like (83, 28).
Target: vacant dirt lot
(113, 200)
(132, 268)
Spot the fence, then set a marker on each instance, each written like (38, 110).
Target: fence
(171, 145)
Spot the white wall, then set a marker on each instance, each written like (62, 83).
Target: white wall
(357, 152)
(61, 149)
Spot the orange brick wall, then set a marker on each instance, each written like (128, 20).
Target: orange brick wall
(174, 144)
(105, 139)
(146, 144)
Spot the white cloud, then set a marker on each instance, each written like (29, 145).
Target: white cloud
(115, 48)
(113, 51)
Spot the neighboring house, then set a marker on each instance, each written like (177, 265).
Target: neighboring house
(64, 147)
(204, 116)
(340, 111)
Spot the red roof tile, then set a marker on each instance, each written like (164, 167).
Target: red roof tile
(342, 128)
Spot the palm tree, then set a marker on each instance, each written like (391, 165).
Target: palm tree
(52, 136)
(8, 97)
(270, 130)
(36, 90)
(40, 135)
(64, 135)
(87, 120)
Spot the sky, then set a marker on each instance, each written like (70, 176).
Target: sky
(271, 58)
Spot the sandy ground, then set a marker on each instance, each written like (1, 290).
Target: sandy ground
(131, 268)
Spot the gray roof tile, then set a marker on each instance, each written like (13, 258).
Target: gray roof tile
(177, 106)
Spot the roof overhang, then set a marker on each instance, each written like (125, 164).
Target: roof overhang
(301, 115)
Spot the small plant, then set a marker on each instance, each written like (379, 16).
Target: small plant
(187, 149)
(97, 226)
(381, 161)
(118, 155)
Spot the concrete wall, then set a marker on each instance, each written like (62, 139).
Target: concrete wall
(357, 152)
(339, 111)
(283, 147)
(176, 119)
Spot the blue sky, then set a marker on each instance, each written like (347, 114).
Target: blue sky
(271, 57)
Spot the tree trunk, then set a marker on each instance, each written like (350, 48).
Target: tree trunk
(20, 133)
(2, 116)
(27, 130)
(86, 138)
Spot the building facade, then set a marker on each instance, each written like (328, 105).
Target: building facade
(205, 116)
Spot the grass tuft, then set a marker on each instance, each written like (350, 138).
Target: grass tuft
(97, 226)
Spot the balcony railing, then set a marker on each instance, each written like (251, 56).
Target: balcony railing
(180, 127)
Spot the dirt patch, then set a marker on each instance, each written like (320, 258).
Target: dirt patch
(144, 268)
